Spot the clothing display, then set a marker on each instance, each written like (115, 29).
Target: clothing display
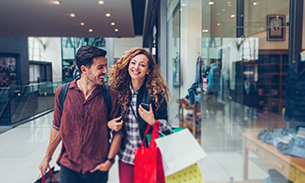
(285, 140)
(214, 78)
(276, 133)
(275, 177)
(295, 147)
(295, 93)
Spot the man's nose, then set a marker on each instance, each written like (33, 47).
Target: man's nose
(105, 70)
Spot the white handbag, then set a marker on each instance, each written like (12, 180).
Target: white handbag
(179, 150)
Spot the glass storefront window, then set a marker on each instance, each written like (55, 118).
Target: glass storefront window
(237, 52)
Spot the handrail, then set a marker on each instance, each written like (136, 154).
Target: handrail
(8, 96)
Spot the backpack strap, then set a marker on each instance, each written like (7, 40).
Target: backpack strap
(107, 99)
(62, 94)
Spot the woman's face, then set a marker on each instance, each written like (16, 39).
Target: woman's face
(138, 67)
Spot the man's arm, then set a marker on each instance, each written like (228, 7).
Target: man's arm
(114, 148)
(55, 139)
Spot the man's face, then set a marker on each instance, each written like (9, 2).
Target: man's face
(97, 71)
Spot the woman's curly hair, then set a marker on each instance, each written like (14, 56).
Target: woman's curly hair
(119, 79)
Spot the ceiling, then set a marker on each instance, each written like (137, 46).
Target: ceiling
(23, 18)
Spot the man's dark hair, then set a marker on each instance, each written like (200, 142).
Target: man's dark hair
(86, 54)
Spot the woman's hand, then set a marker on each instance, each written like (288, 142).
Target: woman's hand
(147, 116)
(115, 124)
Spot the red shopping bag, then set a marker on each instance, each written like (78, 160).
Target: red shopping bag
(148, 166)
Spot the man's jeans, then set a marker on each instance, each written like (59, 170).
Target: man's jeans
(69, 176)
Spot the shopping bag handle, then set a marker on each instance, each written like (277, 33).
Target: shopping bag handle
(154, 135)
(52, 177)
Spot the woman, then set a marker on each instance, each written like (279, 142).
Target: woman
(138, 82)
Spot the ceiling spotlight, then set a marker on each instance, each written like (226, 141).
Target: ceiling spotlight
(232, 16)
(116, 30)
(112, 23)
(181, 9)
(100, 2)
(72, 15)
(218, 13)
(211, 3)
(223, 10)
(82, 23)
(107, 14)
(182, 4)
(218, 24)
(254, 3)
(90, 30)
(205, 30)
(56, 2)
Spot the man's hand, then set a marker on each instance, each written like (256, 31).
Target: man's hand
(104, 167)
(147, 116)
(44, 166)
(115, 124)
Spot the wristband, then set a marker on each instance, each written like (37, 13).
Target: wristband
(111, 160)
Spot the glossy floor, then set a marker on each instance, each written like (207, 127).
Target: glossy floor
(22, 148)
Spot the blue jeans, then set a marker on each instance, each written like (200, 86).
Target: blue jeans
(70, 176)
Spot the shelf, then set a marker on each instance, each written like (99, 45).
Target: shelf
(273, 73)
(270, 84)
(270, 95)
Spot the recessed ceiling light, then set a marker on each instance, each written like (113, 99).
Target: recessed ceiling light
(218, 24)
(205, 30)
(211, 3)
(112, 23)
(116, 30)
(218, 13)
(254, 3)
(82, 23)
(90, 30)
(223, 10)
(229, 4)
(72, 15)
(100, 2)
(232, 16)
(181, 9)
(57, 2)
(107, 14)
(182, 4)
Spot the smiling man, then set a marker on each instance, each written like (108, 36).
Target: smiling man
(86, 155)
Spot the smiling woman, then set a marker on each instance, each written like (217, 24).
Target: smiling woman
(143, 95)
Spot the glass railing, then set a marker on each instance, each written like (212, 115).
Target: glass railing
(22, 102)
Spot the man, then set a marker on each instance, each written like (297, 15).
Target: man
(86, 155)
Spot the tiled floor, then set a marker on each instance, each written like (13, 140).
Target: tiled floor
(23, 147)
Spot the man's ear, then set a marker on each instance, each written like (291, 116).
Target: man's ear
(83, 69)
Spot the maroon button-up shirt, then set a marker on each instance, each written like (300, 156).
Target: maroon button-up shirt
(83, 127)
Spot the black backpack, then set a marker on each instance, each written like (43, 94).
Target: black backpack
(107, 98)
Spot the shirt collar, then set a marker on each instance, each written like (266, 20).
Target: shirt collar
(73, 84)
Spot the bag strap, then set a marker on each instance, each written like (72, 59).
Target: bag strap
(52, 175)
(154, 135)
(62, 94)
(107, 99)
